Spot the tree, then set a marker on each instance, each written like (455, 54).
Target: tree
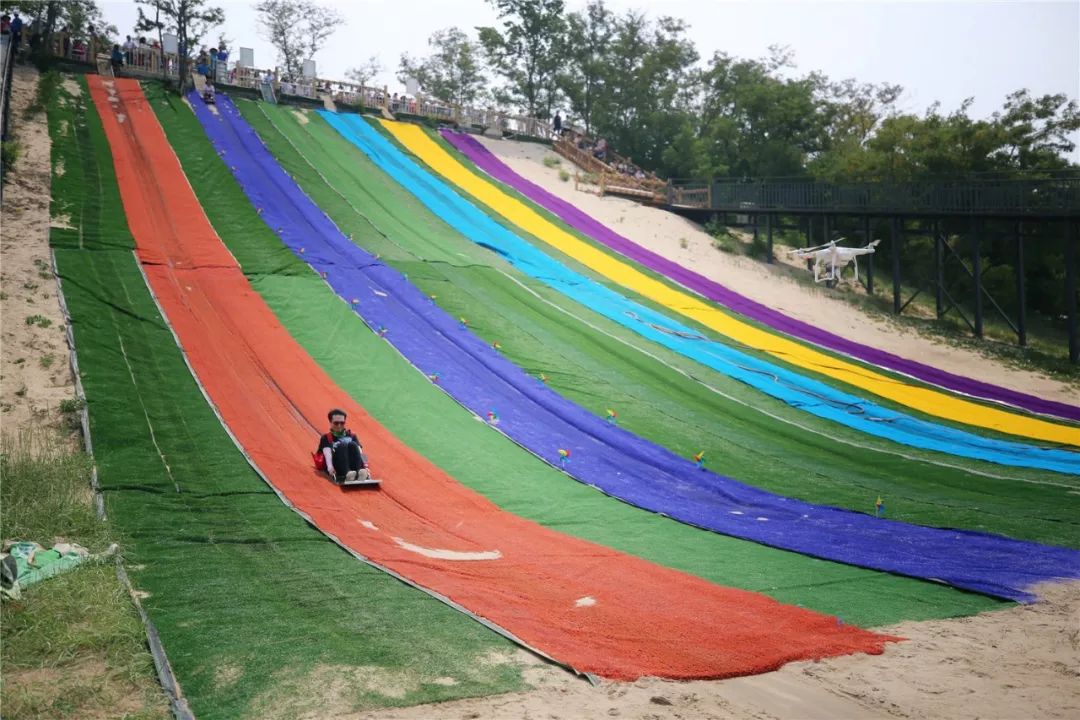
(527, 51)
(588, 53)
(647, 87)
(366, 71)
(452, 72)
(190, 20)
(78, 15)
(297, 29)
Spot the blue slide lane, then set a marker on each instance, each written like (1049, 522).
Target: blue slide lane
(604, 455)
(791, 387)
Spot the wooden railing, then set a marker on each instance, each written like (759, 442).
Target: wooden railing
(607, 171)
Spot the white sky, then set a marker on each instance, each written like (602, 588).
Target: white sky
(944, 50)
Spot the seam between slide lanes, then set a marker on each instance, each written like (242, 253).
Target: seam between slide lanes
(483, 230)
(550, 567)
(700, 285)
(926, 400)
(946, 554)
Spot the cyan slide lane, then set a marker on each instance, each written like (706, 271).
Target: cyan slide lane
(792, 388)
(604, 455)
(582, 222)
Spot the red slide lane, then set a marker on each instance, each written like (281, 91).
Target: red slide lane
(585, 605)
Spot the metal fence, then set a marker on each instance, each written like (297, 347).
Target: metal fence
(1041, 197)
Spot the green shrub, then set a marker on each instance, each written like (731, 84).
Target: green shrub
(551, 161)
(563, 175)
(9, 155)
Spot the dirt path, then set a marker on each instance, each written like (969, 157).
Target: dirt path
(36, 375)
(686, 243)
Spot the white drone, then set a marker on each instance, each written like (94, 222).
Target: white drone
(833, 259)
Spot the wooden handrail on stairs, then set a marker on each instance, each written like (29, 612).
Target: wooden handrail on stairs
(649, 187)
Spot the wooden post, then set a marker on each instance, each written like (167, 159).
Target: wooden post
(869, 258)
(1070, 289)
(894, 239)
(768, 231)
(976, 261)
(1021, 287)
(939, 269)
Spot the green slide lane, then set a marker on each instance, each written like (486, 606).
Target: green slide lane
(598, 370)
(259, 613)
(399, 397)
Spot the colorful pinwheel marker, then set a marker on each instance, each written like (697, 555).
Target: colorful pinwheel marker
(493, 417)
(879, 506)
(543, 378)
(303, 250)
(355, 301)
(383, 330)
(700, 460)
(496, 346)
(564, 456)
(432, 296)
(612, 416)
(433, 377)
(463, 323)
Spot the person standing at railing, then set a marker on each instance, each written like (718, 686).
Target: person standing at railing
(16, 31)
(556, 125)
(116, 59)
(129, 51)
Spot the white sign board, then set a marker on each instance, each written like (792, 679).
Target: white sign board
(412, 86)
(309, 69)
(169, 44)
(247, 57)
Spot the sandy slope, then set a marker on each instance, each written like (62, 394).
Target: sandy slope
(664, 233)
(34, 365)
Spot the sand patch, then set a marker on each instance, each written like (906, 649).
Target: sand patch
(71, 86)
(62, 221)
(339, 689)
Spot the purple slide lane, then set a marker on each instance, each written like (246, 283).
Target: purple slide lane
(486, 161)
(606, 456)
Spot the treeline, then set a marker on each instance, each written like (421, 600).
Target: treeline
(640, 82)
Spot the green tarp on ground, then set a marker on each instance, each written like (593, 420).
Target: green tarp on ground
(261, 615)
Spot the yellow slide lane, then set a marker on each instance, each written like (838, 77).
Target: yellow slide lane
(932, 402)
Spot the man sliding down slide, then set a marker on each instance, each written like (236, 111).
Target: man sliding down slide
(341, 453)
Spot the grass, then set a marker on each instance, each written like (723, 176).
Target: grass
(10, 150)
(564, 175)
(551, 161)
(39, 320)
(78, 623)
